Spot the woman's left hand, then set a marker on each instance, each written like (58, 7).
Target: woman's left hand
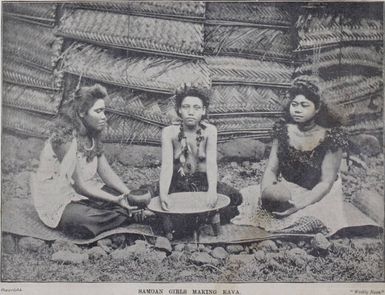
(299, 203)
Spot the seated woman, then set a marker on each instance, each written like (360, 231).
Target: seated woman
(189, 158)
(66, 193)
(300, 186)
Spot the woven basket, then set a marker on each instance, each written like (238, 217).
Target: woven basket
(31, 98)
(31, 42)
(149, 73)
(20, 73)
(133, 32)
(184, 9)
(44, 12)
(259, 13)
(247, 71)
(247, 41)
(240, 98)
(121, 129)
(26, 123)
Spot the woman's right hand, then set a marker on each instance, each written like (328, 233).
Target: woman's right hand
(123, 202)
(164, 202)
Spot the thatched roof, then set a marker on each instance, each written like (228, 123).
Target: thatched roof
(25, 122)
(35, 99)
(32, 43)
(353, 56)
(17, 72)
(133, 32)
(243, 98)
(121, 129)
(171, 9)
(152, 73)
(320, 30)
(42, 12)
(248, 12)
(349, 89)
(247, 41)
(248, 71)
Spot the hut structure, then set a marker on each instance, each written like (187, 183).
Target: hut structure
(247, 52)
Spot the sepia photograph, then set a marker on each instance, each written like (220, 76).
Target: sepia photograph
(191, 142)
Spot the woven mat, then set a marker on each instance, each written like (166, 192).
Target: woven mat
(19, 217)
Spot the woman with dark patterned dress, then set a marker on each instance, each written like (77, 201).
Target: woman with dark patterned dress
(304, 160)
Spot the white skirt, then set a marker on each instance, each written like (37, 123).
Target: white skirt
(331, 210)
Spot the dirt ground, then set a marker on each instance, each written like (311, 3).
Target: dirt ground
(348, 258)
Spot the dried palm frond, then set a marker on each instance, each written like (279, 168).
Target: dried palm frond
(328, 29)
(346, 56)
(133, 32)
(31, 42)
(257, 13)
(26, 123)
(127, 130)
(239, 98)
(248, 71)
(369, 126)
(355, 111)
(244, 124)
(44, 12)
(31, 98)
(348, 89)
(236, 40)
(20, 73)
(184, 9)
(158, 74)
(130, 104)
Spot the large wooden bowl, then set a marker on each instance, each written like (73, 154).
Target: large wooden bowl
(188, 203)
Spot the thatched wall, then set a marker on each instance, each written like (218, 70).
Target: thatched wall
(247, 53)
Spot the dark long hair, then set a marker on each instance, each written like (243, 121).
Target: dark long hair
(69, 121)
(307, 86)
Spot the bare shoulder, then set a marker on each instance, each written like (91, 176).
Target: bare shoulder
(210, 128)
(170, 131)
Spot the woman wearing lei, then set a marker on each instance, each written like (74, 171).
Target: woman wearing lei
(66, 191)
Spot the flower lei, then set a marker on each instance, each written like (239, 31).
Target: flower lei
(185, 149)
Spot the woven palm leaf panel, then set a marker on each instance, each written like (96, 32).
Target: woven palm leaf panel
(20, 73)
(41, 12)
(133, 32)
(26, 122)
(349, 89)
(367, 126)
(144, 106)
(366, 60)
(180, 9)
(317, 30)
(121, 129)
(28, 98)
(247, 41)
(31, 43)
(251, 13)
(258, 127)
(232, 70)
(245, 99)
(143, 72)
